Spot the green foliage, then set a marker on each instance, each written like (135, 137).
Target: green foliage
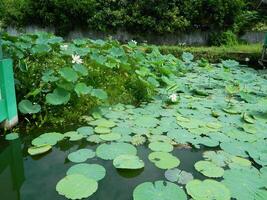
(82, 73)
(162, 16)
(223, 38)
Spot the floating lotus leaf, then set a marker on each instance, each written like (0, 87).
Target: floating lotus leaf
(113, 150)
(235, 148)
(69, 74)
(146, 121)
(102, 130)
(58, 97)
(27, 107)
(207, 190)
(160, 138)
(250, 128)
(39, 150)
(76, 186)
(243, 182)
(261, 194)
(176, 175)
(159, 190)
(128, 162)
(73, 135)
(12, 136)
(160, 146)
(110, 136)
(85, 130)
(91, 171)
(48, 139)
(103, 123)
(209, 169)
(95, 139)
(81, 155)
(164, 160)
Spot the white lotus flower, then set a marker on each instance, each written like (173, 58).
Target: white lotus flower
(247, 59)
(133, 41)
(76, 59)
(64, 47)
(173, 97)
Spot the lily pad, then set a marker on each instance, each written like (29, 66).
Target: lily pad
(73, 135)
(81, 155)
(176, 175)
(58, 97)
(48, 139)
(128, 162)
(91, 171)
(113, 150)
(207, 190)
(160, 146)
(39, 150)
(110, 136)
(12, 136)
(209, 169)
(27, 107)
(159, 190)
(164, 160)
(85, 130)
(69, 74)
(76, 186)
(102, 130)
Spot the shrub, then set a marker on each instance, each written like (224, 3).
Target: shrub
(227, 38)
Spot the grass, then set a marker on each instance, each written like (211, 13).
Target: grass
(215, 54)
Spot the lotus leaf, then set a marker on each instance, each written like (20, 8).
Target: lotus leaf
(73, 135)
(243, 182)
(207, 190)
(164, 160)
(159, 190)
(161, 146)
(27, 107)
(81, 155)
(12, 136)
(110, 137)
(82, 89)
(48, 139)
(91, 171)
(39, 150)
(76, 186)
(113, 150)
(102, 130)
(85, 130)
(209, 169)
(69, 74)
(128, 162)
(58, 97)
(176, 175)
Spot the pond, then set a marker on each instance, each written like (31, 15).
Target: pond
(207, 140)
(23, 177)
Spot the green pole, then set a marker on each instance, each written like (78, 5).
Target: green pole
(1, 51)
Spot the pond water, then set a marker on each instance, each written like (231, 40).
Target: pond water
(23, 177)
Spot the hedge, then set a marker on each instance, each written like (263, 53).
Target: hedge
(142, 16)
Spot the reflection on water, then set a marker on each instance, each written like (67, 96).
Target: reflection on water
(42, 173)
(11, 171)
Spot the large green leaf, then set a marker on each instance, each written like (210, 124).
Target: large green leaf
(128, 162)
(27, 107)
(81, 155)
(91, 171)
(58, 97)
(76, 186)
(209, 169)
(48, 139)
(207, 190)
(164, 160)
(69, 74)
(113, 150)
(159, 190)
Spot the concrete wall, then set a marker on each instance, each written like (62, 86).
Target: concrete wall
(191, 38)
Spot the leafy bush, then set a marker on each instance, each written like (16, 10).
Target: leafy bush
(53, 75)
(223, 38)
(161, 16)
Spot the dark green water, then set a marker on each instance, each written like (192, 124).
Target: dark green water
(23, 177)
